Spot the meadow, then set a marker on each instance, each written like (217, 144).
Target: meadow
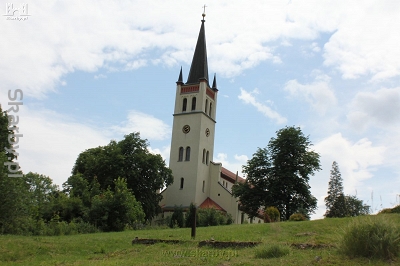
(308, 243)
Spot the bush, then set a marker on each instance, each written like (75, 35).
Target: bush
(273, 214)
(176, 218)
(296, 217)
(371, 238)
(212, 217)
(271, 251)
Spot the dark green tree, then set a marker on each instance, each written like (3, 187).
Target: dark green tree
(279, 175)
(115, 208)
(41, 188)
(335, 201)
(355, 207)
(146, 173)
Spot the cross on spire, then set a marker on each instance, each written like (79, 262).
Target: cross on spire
(204, 11)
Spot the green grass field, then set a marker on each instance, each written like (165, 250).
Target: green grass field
(310, 243)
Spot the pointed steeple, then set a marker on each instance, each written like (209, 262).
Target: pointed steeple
(214, 85)
(199, 67)
(180, 79)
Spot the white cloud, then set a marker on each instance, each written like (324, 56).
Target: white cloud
(248, 98)
(52, 142)
(236, 165)
(61, 38)
(150, 128)
(318, 93)
(380, 108)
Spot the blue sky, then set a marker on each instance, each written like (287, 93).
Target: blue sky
(92, 71)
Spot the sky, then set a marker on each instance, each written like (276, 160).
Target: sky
(94, 71)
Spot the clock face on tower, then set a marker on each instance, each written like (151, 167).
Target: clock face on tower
(186, 129)
(207, 132)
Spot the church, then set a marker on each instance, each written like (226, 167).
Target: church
(197, 179)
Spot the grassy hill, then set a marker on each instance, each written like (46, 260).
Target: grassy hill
(310, 243)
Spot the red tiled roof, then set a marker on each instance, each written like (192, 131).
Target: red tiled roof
(209, 203)
(231, 177)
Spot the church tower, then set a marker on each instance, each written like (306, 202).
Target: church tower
(193, 131)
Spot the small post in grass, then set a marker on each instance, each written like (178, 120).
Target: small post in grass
(193, 211)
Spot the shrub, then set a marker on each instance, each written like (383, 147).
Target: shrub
(271, 251)
(371, 238)
(177, 218)
(297, 217)
(211, 217)
(273, 214)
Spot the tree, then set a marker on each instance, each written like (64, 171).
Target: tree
(279, 174)
(145, 173)
(116, 208)
(339, 205)
(40, 190)
(355, 207)
(335, 201)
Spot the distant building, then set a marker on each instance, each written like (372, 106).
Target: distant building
(197, 179)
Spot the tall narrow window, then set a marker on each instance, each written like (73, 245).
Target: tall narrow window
(204, 184)
(210, 109)
(187, 158)
(207, 157)
(182, 180)
(206, 106)
(184, 104)
(180, 157)
(193, 103)
(204, 155)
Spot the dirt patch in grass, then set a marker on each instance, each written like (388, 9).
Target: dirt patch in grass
(146, 241)
(228, 244)
(306, 234)
(311, 246)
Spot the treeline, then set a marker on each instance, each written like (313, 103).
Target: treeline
(111, 188)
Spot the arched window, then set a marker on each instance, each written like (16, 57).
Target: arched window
(193, 103)
(206, 106)
(210, 109)
(204, 184)
(182, 180)
(204, 155)
(187, 158)
(207, 157)
(184, 104)
(180, 157)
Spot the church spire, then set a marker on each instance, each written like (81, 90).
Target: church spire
(214, 84)
(199, 67)
(180, 79)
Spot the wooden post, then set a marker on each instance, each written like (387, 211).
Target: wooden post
(193, 212)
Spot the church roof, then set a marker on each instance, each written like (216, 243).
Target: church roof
(199, 67)
(209, 203)
(231, 177)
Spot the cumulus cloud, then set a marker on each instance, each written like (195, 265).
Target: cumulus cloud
(249, 98)
(380, 108)
(90, 35)
(150, 128)
(318, 93)
(52, 142)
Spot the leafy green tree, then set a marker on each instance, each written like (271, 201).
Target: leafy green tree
(279, 175)
(40, 190)
(130, 158)
(116, 208)
(334, 202)
(355, 207)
